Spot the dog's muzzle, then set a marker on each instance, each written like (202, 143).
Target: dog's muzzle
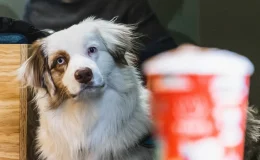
(88, 83)
(84, 75)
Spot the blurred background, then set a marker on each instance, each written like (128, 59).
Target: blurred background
(226, 24)
(232, 24)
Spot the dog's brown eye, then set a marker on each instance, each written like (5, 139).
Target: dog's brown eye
(60, 60)
(92, 50)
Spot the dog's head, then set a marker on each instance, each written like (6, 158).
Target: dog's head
(78, 59)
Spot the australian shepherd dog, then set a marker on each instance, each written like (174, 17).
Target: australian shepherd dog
(89, 96)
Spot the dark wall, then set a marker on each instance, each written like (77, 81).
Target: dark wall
(227, 24)
(180, 17)
(234, 25)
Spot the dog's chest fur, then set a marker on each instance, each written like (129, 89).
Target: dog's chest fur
(62, 132)
(94, 129)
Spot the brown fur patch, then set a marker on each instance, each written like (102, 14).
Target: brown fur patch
(52, 60)
(35, 65)
(57, 72)
(38, 67)
(47, 75)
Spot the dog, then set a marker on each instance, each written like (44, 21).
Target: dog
(89, 95)
(252, 138)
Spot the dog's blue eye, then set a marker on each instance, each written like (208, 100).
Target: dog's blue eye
(92, 50)
(61, 60)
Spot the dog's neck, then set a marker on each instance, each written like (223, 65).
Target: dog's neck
(111, 122)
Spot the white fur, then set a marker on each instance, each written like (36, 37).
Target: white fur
(93, 126)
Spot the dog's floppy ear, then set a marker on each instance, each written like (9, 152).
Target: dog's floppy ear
(118, 39)
(31, 71)
(34, 71)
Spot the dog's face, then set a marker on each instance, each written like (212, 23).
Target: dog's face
(77, 60)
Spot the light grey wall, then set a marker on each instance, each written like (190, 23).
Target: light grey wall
(12, 8)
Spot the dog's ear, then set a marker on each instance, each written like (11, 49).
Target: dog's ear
(118, 39)
(34, 71)
(31, 71)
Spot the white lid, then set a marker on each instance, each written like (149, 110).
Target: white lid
(189, 59)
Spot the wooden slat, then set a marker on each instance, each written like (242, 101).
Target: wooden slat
(9, 102)
(23, 112)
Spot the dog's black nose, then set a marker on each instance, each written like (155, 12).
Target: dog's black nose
(83, 75)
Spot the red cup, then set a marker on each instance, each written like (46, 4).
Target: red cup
(199, 110)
